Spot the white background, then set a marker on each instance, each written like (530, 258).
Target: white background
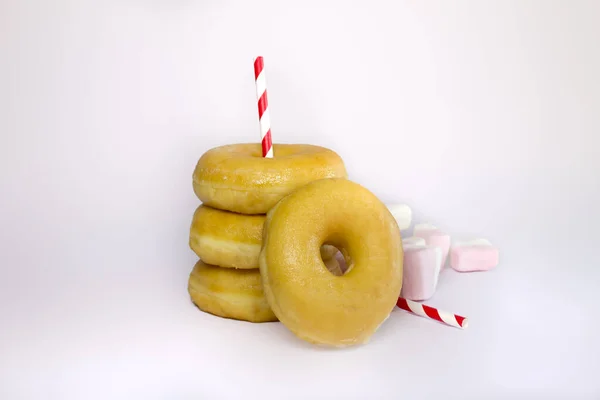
(482, 115)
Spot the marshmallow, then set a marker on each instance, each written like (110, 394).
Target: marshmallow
(402, 213)
(424, 228)
(434, 237)
(474, 255)
(422, 266)
(413, 241)
(341, 261)
(472, 242)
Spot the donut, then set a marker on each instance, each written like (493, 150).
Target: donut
(314, 304)
(237, 178)
(229, 293)
(229, 239)
(235, 294)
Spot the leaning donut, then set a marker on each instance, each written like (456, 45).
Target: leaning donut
(314, 304)
(229, 239)
(236, 178)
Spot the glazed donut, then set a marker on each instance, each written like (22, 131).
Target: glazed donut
(237, 178)
(235, 294)
(229, 293)
(311, 302)
(231, 240)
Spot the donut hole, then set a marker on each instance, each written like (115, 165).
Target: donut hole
(343, 261)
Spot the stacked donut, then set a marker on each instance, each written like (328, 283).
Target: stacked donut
(237, 187)
(267, 234)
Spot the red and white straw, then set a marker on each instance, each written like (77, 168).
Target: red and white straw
(433, 313)
(263, 108)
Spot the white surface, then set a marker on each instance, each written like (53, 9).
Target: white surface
(481, 115)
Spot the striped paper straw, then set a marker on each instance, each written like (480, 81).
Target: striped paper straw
(433, 313)
(263, 108)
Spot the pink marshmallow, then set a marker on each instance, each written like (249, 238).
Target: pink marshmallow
(474, 255)
(434, 237)
(422, 266)
(342, 261)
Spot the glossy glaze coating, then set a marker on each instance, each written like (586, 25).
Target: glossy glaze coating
(236, 178)
(226, 239)
(315, 305)
(229, 239)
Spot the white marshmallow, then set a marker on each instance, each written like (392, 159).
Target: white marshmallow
(402, 213)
